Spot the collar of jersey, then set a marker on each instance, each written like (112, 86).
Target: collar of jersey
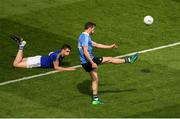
(85, 33)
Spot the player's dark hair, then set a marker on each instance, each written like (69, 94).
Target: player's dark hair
(89, 25)
(65, 46)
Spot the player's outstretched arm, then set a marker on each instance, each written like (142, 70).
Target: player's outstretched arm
(65, 69)
(59, 68)
(102, 46)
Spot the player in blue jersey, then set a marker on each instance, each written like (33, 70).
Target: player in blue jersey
(53, 60)
(89, 62)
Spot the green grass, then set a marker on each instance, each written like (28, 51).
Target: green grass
(148, 88)
(145, 89)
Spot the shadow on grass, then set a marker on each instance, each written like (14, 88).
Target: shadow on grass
(85, 88)
(146, 70)
(117, 90)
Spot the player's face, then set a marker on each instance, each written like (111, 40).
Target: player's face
(92, 30)
(66, 52)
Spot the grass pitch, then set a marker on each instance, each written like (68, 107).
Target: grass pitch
(148, 88)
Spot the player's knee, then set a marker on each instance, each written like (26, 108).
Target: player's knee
(15, 64)
(95, 79)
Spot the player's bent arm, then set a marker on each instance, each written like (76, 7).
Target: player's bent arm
(59, 68)
(102, 46)
(86, 53)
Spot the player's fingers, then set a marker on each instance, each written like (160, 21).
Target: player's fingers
(115, 46)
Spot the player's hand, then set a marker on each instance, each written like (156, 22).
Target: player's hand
(94, 65)
(114, 46)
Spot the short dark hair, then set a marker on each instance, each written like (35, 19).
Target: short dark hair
(89, 25)
(65, 46)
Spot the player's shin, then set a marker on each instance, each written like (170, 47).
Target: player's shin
(94, 89)
(117, 61)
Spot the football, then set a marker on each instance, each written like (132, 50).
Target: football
(148, 20)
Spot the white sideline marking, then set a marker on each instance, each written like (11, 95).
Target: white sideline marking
(77, 66)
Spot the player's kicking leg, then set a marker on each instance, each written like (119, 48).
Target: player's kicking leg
(19, 60)
(94, 75)
(129, 59)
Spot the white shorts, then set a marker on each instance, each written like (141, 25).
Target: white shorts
(33, 62)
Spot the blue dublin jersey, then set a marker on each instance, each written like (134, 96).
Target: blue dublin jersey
(85, 40)
(47, 61)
